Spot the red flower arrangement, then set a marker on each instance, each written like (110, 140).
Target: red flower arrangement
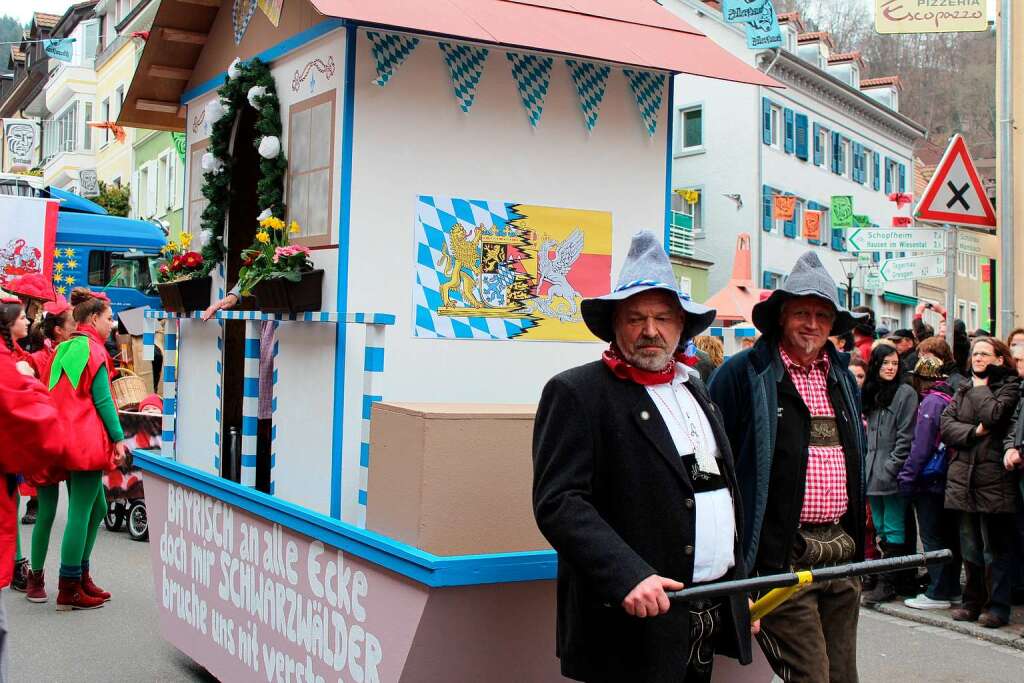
(179, 263)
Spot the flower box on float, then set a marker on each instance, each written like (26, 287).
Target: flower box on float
(184, 296)
(281, 295)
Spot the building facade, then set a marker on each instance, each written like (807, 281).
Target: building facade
(828, 133)
(158, 179)
(21, 91)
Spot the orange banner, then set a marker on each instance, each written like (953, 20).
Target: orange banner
(783, 207)
(812, 225)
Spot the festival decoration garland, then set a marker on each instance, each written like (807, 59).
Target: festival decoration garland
(248, 84)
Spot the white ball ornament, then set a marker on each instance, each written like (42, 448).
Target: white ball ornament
(215, 110)
(270, 147)
(264, 215)
(254, 92)
(234, 70)
(212, 164)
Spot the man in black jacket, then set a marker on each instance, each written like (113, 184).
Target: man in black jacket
(792, 412)
(635, 489)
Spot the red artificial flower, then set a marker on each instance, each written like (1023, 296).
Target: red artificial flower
(164, 270)
(249, 257)
(192, 259)
(176, 264)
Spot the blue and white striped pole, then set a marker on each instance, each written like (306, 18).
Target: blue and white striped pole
(373, 370)
(170, 373)
(250, 401)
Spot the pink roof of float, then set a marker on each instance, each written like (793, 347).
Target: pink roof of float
(636, 32)
(735, 301)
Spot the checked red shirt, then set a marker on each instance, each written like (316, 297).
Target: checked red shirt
(825, 488)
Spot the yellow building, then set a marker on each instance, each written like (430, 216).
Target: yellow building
(115, 66)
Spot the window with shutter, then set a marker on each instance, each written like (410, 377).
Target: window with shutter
(766, 209)
(876, 180)
(311, 128)
(837, 151)
(888, 175)
(903, 178)
(818, 144)
(766, 120)
(801, 136)
(790, 133)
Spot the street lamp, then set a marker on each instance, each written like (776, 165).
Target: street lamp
(850, 273)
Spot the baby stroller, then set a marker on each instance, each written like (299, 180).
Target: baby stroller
(126, 498)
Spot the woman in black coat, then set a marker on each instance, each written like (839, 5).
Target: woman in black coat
(975, 426)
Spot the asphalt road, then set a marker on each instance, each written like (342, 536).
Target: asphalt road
(121, 642)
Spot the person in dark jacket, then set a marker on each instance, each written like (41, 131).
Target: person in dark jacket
(937, 347)
(889, 406)
(792, 413)
(975, 426)
(634, 487)
(926, 489)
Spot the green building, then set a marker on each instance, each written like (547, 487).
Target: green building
(158, 179)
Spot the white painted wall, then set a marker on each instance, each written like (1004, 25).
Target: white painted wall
(197, 394)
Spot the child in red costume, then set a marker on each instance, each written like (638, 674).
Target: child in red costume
(80, 379)
(14, 326)
(33, 435)
(56, 328)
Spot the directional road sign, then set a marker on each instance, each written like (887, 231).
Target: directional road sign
(896, 239)
(913, 268)
(872, 281)
(955, 194)
(968, 243)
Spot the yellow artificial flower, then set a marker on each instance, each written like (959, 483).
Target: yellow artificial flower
(72, 263)
(59, 267)
(69, 253)
(186, 239)
(263, 236)
(294, 228)
(169, 248)
(272, 222)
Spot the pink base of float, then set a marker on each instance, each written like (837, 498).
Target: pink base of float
(254, 588)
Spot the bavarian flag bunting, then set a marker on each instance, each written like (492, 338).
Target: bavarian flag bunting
(466, 66)
(389, 51)
(532, 74)
(648, 87)
(590, 80)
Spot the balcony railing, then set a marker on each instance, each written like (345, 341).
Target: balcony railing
(680, 235)
(62, 133)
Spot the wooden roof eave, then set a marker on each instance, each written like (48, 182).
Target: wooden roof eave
(175, 43)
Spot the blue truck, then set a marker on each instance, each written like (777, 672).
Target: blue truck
(96, 250)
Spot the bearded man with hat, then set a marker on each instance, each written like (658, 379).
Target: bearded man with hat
(634, 487)
(792, 412)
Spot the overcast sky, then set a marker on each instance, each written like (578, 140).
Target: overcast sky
(23, 8)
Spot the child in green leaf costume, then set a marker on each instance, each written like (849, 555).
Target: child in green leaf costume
(80, 384)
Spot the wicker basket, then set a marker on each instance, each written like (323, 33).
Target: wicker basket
(129, 390)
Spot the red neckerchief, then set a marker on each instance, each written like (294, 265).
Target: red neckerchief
(622, 369)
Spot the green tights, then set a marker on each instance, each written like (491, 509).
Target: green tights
(86, 508)
(47, 497)
(17, 527)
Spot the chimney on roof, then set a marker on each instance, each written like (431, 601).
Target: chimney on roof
(741, 273)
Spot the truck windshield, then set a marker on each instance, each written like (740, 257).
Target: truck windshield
(132, 271)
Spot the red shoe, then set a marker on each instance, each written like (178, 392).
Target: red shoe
(70, 596)
(91, 589)
(36, 587)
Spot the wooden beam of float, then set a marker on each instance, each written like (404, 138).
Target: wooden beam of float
(157, 105)
(177, 35)
(173, 73)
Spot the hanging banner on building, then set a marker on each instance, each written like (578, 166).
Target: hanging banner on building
(27, 236)
(930, 16)
(272, 8)
(59, 48)
(21, 140)
(783, 207)
(763, 30)
(179, 144)
(389, 51)
(841, 208)
(466, 68)
(812, 225)
(88, 183)
(739, 11)
(532, 74)
(504, 270)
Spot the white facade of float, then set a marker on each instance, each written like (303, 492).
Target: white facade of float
(410, 138)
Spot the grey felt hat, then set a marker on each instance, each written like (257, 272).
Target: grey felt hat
(808, 278)
(646, 267)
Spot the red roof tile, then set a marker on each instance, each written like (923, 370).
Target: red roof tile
(883, 80)
(44, 20)
(815, 36)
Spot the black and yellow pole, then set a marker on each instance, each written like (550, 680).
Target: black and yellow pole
(781, 587)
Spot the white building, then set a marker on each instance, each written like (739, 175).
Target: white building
(828, 133)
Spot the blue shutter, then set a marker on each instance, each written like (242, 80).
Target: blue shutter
(903, 178)
(888, 176)
(856, 298)
(766, 209)
(818, 151)
(855, 152)
(841, 293)
(790, 136)
(766, 120)
(789, 227)
(877, 177)
(766, 280)
(837, 148)
(801, 136)
(876, 257)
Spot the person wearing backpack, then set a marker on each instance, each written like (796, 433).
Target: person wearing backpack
(922, 479)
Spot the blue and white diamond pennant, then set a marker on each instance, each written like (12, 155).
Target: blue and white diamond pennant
(648, 87)
(590, 80)
(533, 76)
(466, 65)
(390, 50)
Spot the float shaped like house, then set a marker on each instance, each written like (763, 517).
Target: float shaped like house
(464, 171)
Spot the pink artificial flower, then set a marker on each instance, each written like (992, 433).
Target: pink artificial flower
(285, 252)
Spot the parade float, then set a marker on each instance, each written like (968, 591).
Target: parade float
(344, 493)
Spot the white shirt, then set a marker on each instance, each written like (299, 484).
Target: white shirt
(691, 433)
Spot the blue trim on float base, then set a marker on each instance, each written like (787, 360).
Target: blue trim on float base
(669, 130)
(268, 55)
(344, 221)
(426, 568)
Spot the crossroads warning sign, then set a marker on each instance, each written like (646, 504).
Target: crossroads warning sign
(955, 193)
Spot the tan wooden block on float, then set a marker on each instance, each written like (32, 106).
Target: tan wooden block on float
(453, 479)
